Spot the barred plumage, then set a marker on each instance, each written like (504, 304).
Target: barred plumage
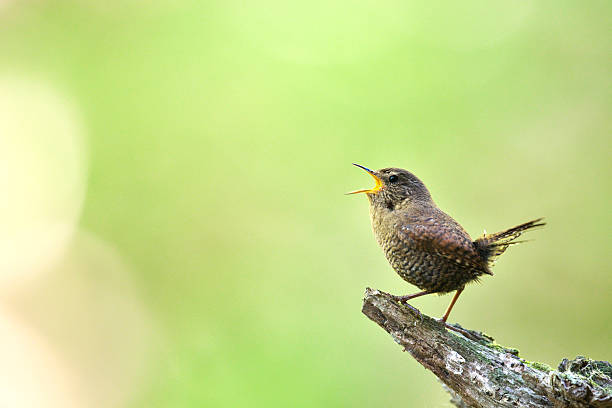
(424, 245)
(491, 246)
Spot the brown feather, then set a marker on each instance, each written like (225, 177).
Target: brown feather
(491, 246)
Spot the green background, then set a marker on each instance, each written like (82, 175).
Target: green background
(219, 141)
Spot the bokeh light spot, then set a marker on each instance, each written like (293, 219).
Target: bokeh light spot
(42, 176)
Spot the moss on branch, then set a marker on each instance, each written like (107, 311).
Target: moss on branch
(481, 373)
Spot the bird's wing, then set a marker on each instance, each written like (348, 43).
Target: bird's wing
(449, 245)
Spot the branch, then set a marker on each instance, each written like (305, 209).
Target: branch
(479, 373)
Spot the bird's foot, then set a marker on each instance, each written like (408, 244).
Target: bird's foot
(458, 330)
(470, 334)
(403, 300)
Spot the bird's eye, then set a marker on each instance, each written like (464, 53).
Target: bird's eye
(392, 178)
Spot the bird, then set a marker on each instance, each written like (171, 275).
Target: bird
(423, 244)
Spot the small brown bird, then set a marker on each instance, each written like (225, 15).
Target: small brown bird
(424, 245)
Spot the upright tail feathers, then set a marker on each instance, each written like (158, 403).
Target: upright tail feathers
(491, 246)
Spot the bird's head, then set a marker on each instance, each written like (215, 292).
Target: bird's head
(394, 188)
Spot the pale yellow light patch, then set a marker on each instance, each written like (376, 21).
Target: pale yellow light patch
(42, 176)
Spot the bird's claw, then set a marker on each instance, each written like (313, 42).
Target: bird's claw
(470, 334)
(403, 301)
(399, 299)
(416, 311)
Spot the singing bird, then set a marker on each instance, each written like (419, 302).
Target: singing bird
(424, 245)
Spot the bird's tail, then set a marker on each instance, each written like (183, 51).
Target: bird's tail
(491, 246)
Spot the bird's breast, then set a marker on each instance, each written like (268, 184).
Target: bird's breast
(386, 229)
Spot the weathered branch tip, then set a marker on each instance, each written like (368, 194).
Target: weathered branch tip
(480, 373)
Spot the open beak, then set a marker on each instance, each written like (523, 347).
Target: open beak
(373, 190)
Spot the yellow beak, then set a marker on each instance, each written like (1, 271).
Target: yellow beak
(376, 188)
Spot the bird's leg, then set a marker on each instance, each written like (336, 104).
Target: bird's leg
(466, 333)
(406, 298)
(472, 335)
(450, 307)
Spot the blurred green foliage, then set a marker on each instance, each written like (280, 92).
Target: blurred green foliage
(220, 138)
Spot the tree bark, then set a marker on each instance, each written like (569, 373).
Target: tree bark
(479, 373)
